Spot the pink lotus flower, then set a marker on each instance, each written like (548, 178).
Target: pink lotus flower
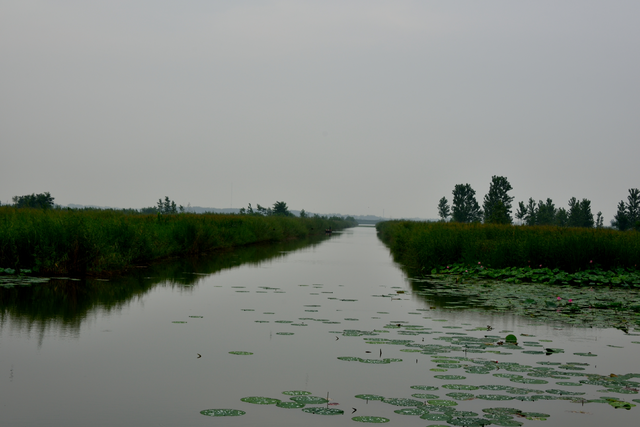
(478, 262)
(559, 298)
(570, 301)
(540, 265)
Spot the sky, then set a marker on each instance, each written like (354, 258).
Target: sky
(334, 106)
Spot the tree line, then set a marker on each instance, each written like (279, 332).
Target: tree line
(166, 207)
(497, 209)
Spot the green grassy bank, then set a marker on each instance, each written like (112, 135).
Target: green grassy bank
(422, 246)
(66, 241)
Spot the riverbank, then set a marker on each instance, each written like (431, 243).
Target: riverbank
(86, 242)
(515, 253)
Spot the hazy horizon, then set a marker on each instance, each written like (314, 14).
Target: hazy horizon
(353, 107)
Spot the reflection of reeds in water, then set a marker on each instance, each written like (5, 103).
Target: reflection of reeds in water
(64, 303)
(419, 245)
(62, 241)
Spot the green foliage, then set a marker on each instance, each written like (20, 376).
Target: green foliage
(303, 214)
(420, 245)
(35, 201)
(167, 207)
(580, 213)
(97, 240)
(280, 209)
(545, 213)
(465, 206)
(497, 202)
(628, 215)
(444, 211)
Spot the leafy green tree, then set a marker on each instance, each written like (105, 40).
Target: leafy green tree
(628, 214)
(562, 217)
(36, 201)
(465, 206)
(580, 213)
(620, 219)
(546, 214)
(499, 214)
(303, 214)
(599, 220)
(633, 205)
(527, 213)
(167, 207)
(280, 209)
(261, 210)
(497, 202)
(444, 211)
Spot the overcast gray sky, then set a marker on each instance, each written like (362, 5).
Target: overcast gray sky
(331, 106)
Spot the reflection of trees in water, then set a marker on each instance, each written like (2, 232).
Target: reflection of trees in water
(63, 304)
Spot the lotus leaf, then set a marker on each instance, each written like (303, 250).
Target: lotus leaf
(369, 397)
(222, 412)
(368, 419)
(402, 401)
(309, 400)
(259, 400)
(319, 410)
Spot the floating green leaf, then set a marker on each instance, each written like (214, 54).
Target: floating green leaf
(369, 397)
(309, 400)
(425, 396)
(241, 353)
(368, 419)
(259, 400)
(296, 393)
(409, 411)
(402, 402)
(450, 377)
(319, 410)
(222, 412)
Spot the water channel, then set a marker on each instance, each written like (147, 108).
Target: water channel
(153, 348)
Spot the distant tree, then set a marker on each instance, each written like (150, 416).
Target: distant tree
(499, 214)
(633, 205)
(628, 214)
(465, 206)
(280, 209)
(599, 220)
(261, 210)
(546, 214)
(527, 213)
(303, 214)
(580, 213)
(167, 207)
(562, 217)
(444, 211)
(586, 215)
(36, 201)
(497, 202)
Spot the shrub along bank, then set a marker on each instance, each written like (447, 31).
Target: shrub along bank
(483, 249)
(66, 241)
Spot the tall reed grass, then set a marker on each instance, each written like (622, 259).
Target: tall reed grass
(66, 241)
(423, 245)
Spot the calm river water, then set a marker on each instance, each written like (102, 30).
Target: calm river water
(135, 352)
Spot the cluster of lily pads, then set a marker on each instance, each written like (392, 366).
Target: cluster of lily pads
(581, 306)
(623, 277)
(456, 355)
(8, 278)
